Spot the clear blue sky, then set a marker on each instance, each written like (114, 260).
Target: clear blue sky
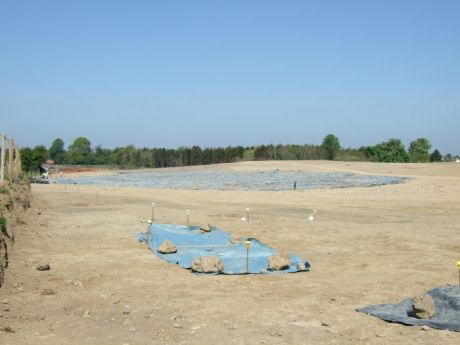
(216, 73)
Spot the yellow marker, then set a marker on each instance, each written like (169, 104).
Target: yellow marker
(458, 265)
(247, 243)
(188, 217)
(149, 227)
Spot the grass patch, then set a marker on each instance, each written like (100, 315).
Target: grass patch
(2, 224)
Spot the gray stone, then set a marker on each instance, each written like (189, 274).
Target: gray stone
(44, 267)
(204, 228)
(47, 292)
(300, 266)
(278, 262)
(167, 248)
(207, 264)
(423, 307)
(7, 329)
(77, 283)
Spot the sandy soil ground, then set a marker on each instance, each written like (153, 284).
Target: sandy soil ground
(366, 246)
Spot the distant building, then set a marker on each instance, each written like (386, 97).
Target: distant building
(49, 161)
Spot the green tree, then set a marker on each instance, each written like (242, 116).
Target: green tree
(331, 146)
(38, 156)
(392, 151)
(436, 156)
(261, 153)
(195, 155)
(57, 150)
(102, 156)
(26, 158)
(388, 151)
(369, 152)
(419, 150)
(79, 152)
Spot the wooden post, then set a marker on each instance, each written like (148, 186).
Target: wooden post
(10, 160)
(18, 166)
(153, 212)
(15, 165)
(2, 164)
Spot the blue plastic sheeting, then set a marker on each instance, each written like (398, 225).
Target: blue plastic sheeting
(191, 242)
(446, 300)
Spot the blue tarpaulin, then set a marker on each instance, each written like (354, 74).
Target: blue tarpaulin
(191, 242)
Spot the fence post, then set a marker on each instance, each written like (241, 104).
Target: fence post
(2, 164)
(10, 160)
(20, 162)
(17, 167)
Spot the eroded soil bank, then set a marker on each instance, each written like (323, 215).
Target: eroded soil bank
(14, 201)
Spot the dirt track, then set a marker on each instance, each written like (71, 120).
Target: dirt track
(366, 246)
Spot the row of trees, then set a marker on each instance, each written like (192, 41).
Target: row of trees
(80, 152)
(329, 149)
(393, 150)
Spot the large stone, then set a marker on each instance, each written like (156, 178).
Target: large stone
(167, 248)
(207, 264)
(47, 292)
(278, 262)
(204, 228)
(423, 307)
(44, 267)
(300, 266)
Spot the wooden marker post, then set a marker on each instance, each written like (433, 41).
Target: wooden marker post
(10, 160)
(2, 163)
(188, 217)
(247, 214)
(18, 163)
(153, 212)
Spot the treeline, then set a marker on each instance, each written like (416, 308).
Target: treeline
(393, 150)
(80, 152)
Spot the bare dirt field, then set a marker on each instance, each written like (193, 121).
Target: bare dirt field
(366, 246)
